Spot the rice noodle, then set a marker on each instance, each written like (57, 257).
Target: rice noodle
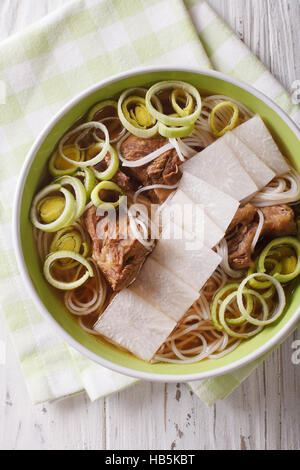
(258, 231)
(88, 206)
(282, 190)
(176, 146)
(81, 137)
(153, 186)
(143, 221)
(185, 149)
(88, 330)
(43, 240)
(121, 133)
(199, 138)
(226, 351)
(204, 307)
(165, 203)
(192, 343)
(222, 250)
(195, 337)
(202, 135)
(142, 161)
(96, 286)
(211, 101)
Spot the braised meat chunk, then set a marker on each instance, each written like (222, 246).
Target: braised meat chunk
(240, 235)
(117, 252)
(163, 170)
(278, 221)
(121, 179)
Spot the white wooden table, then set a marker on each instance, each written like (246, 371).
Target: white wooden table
(264, 413)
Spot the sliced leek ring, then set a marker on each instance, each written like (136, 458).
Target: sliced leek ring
(175, 132)
(50, 208)
(64, 219)
(109, 186)
(66, 168)
(279, 308)
(169, 120)
(223, 320)
(278, 242)
(229, 288)
(128, 120)
(139, 116)
(182, 112)
(68, 239)
(233, 121)
(289, 264)
(258, 285)
(88, 176)
(64, 254)
(99, 157)
(99, 106)
(112, 168)
(80, 193)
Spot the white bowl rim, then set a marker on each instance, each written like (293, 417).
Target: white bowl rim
(154, 377)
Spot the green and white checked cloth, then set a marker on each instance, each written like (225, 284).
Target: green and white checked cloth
(66, 52)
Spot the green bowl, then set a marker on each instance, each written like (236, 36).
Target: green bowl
(286, 135)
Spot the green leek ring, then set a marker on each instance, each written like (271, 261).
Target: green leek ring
(99, 106)
(144, 133)
(80, 193)
(64, 219)
(169, 120)
(62, 255)
(112, 168)
(175, 132)
(110, 186)
(182, 112)
(281, 298)
(290, 241)
(223, 320)
(233, 121)
(56, 172)
(89, 180)
(78, 244)
(215, 304)
(98, 158)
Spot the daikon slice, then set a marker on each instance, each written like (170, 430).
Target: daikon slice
(255, 167)
(192, 218)
(220, 207)
(164, 290)
(131, 322)
(192, 265)
(218, 166)
(255, 134)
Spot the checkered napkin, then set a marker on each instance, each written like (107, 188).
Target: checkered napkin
(45, 66)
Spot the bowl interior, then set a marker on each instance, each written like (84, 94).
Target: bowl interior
(285, 138)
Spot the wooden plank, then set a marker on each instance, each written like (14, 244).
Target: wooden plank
(136, 418)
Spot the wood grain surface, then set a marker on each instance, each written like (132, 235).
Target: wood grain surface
(264, 413)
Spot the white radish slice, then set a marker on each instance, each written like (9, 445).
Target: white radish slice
(255, 134)
(220, 207)
(164, 290)
(193, 266)
(218, 166)
(192, 218)
(134, 324)
(255, 167)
